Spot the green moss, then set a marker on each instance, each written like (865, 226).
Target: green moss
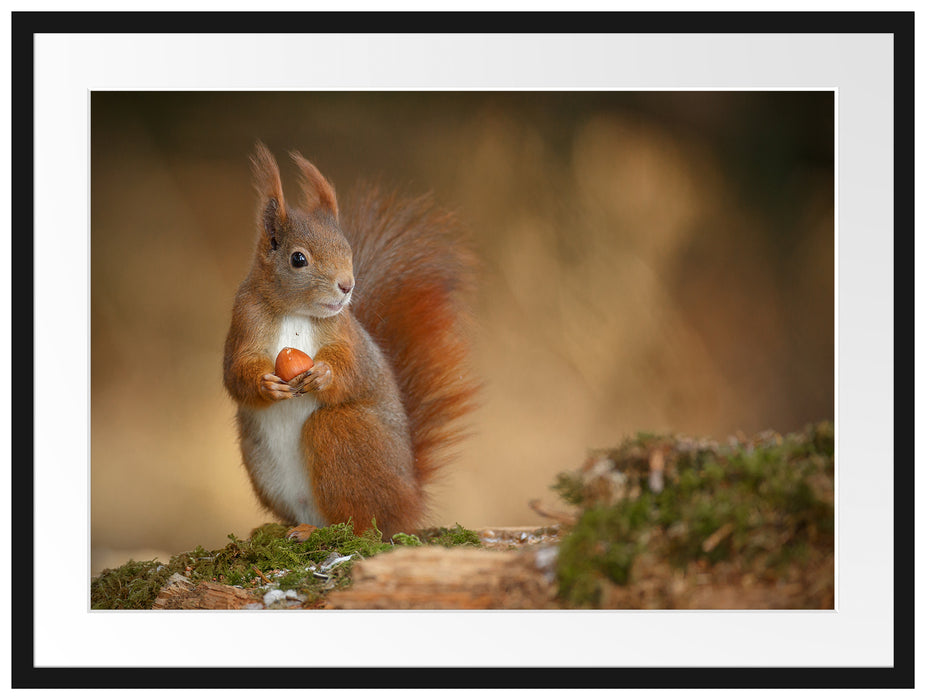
(605, 542)
(451, 537)
(267, 555)
(401, 538)
(570, 487)
(132, 585)
(763, 504)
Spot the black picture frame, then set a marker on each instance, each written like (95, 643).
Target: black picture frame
(26, 25)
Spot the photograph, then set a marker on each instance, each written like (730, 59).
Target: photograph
(582, 339)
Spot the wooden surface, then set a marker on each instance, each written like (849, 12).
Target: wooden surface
(180, 593)
(514, 570)
(440, 578)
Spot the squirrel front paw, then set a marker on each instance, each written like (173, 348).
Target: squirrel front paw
(273, 388)
(316, 379)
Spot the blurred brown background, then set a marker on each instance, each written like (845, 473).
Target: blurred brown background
(658, 261)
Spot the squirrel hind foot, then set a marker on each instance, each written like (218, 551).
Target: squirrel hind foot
(301, 532)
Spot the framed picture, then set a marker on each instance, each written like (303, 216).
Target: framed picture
(688, 223)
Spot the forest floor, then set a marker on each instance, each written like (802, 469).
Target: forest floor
(659, 522)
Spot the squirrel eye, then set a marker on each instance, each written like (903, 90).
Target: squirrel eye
(298, 260)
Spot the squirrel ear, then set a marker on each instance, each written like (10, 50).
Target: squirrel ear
(317, 190)
(266, 172)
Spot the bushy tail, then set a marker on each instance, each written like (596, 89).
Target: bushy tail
(414, 275)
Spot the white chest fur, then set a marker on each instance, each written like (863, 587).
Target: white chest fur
(278, 460)
(296, 332)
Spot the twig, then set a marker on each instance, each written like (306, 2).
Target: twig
(261, 574)
(716, 537)
(561, 516)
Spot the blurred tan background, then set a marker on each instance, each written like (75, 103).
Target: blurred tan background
(657, 261)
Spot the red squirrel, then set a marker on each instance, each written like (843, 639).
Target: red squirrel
(377, 296)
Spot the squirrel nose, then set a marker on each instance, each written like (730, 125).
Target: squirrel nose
(345, 285)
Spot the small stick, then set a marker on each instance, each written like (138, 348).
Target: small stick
(261, 574)
(717, 536)
(561, 516)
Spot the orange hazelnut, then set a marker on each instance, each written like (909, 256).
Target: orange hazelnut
(291, 362)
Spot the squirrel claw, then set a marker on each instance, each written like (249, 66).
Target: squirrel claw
(298, 379)
(320, 377)
(316, 379)
(275, 389)
(299, 383)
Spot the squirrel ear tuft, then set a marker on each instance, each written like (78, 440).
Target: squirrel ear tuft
(271, 219)
(319, 194)
(266, 172)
